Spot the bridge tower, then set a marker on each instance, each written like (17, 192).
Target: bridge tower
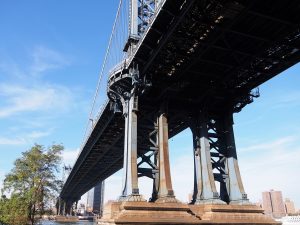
(215, 157)
(124, 92)
(188, 64)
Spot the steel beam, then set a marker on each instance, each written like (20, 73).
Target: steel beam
(60, 206)
(130, 190)
(204, 184)
(64, 208)
(235, 188)
(165, 193)
(133, 28)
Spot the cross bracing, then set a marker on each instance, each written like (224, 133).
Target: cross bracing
(198, 56)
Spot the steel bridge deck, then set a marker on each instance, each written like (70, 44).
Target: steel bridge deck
(196, 54)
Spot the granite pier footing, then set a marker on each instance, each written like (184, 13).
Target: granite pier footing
(231, 214)
(65, 219)
(148, 213)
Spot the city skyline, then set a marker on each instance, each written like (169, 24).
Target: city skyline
(48, 78)
(275, 205)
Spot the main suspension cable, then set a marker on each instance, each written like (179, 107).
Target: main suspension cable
(91, 119)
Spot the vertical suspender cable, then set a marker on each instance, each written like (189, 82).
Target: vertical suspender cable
(102, 71)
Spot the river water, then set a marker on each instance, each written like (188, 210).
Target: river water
(51, 222)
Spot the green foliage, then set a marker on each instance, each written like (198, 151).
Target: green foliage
(13, 211)
(32, 183)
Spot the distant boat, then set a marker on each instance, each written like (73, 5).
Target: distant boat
(86, 218)
(290, 220)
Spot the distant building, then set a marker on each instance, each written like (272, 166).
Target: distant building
(267, 203)
(81, 209)
(98, 198)
(89, 201)
(272, 203)
(289, 207)
(94, 203)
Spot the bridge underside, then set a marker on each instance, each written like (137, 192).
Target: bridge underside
(197, 54)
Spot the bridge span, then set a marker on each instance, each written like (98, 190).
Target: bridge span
(192, 64)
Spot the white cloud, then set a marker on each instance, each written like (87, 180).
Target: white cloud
(69, 156)
(25, 138)
(11, 68)
(272, 165)
(1, 179)
(20, 99)
(40, 60)
(45, 59)
(12, 141)
(113, 186)
(39, 134)
(289, 99)
(277, 171)
(269, 146)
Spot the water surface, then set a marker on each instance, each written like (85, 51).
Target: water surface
(51, 222)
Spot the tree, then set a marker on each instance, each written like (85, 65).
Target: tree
(32, 182)
(13, 211)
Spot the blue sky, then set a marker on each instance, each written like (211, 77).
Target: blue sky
(50, 58)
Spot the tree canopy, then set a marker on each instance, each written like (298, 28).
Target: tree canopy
(32, 185)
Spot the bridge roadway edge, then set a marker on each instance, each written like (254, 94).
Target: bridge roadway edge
(92, 142)
(118, 149)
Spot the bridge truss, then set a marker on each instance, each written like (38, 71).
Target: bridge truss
(189, 64)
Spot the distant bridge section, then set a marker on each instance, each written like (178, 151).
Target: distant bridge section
(196, 55)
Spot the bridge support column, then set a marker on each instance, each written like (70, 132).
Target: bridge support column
(68, 207)
(130, 191)
(64, 208)
(165, 193)
(234, 184)
(59, 206)
(204, 183)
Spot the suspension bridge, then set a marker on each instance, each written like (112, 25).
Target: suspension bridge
(172, 65)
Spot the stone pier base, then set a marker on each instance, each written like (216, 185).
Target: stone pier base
(147, 213)
(231, 214)
(66, 218)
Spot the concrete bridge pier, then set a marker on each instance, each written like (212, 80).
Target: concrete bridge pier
(124, 92)
(214, 148)
(235, 193)
(68, 209)
(204, 183)
(64, 208)
(59, 206)
(130, 190)
(165, 190)
(65, 211)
